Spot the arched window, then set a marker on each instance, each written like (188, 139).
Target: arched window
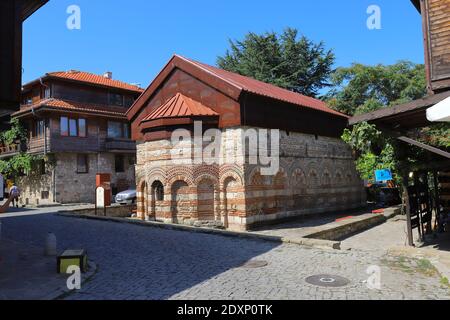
(158, 190)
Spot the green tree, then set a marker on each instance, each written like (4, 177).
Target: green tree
(360, 89)
(287, 60)
(22, 163)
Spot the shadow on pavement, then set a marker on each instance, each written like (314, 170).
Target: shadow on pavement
(137, 262)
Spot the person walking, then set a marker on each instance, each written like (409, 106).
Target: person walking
(14, 193)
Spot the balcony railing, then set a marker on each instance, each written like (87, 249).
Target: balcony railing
(12, 149)
(113, 144)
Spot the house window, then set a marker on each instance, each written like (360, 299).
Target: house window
(119, 163)
(73, 127)
(114, 129)
(82, 129)
(116, 99)
(39, 128)
(73, 130)
(126, 131)
(82, 163)
(46, 93)
(118, 130)
(64, 126)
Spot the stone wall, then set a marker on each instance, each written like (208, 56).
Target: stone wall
(316, 174)
(65, 185)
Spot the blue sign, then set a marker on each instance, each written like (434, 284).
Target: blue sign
(383, 175)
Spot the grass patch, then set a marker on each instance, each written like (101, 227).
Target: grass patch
(444, 282)
(411, 265)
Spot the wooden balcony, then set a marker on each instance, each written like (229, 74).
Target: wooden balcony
(120, 145)
(11, 150)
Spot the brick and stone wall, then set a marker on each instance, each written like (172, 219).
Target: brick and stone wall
(66, 185)
(316, 174)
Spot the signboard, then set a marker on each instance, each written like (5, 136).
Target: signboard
(383, 175)
(2, 188)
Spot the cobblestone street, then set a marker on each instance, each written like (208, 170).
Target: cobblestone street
(136, 262)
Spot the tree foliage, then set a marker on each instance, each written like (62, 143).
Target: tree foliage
(287, 60)
(360, 89)
(22, 163)
(16, 133)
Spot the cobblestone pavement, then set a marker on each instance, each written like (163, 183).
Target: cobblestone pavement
(380, 238)
(136, 262)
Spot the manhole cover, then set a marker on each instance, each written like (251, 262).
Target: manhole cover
(253, 264)
(326, 280)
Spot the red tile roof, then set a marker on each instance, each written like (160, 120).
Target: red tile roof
(265, 89)
(229, 83)
(180, 106)
(96, 79)
(65, 105)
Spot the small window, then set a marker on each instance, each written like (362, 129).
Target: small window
(39, 128)
(119, 163)
(118, 130)
(116, 99)
(114, 129)
(82, 129)
(47, 93)
(73, 130)
(64, 126)
(82, 163)
(126, 131)
(45, 195)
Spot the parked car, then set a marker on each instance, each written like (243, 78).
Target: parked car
(126, 197)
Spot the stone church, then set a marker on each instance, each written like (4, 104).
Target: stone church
(315, 173)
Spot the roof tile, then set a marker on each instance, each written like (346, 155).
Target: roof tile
(65, 105)
(180, 106)
(94, 79)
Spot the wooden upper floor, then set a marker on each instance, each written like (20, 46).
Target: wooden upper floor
(436, 31)
(76, 112)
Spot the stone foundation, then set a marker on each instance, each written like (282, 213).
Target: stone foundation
(62, 184)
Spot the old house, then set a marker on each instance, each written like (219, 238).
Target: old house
(76, 122)
(316, 169)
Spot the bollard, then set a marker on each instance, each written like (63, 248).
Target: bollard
(50, 245)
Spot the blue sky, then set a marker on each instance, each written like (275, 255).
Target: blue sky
(135, 38)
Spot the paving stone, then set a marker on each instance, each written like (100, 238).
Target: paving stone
(138, 262)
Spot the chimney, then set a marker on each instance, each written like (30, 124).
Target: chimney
(108, 75)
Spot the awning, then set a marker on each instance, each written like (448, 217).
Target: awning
(440, 112)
